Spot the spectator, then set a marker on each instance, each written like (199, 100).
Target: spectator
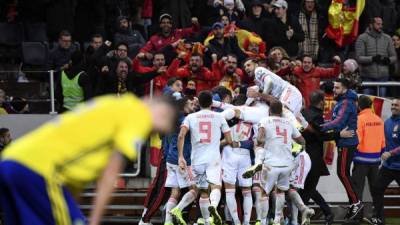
(277, 54)
(174, 88)
(158, 62)
(350, 73)
(195, 70)
(234, 9)
(121, 80)
(371, 137)
(344, 114)
(313, 24)
(3, 108)
(166, 36)
(75, 85)
(375, 52)
(284, 30)
(94, 55)
(254, 47)
(395, 68)
(308, 76)
(127, 35)
(314, 146)
(257, 19)
(230, 73)
(60, 55)
(5, 138)
(390, 169)
(113, 57)
(221, 45)
(190, 89)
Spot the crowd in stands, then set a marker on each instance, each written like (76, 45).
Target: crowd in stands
(105, 46)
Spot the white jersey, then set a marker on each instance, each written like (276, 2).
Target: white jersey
(279, 133)
(269, 82)
(205, 129)
(301, 170)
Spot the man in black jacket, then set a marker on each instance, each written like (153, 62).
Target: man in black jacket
(284, 30)
(314, 147)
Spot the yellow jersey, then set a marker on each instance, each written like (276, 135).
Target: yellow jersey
(74, 147)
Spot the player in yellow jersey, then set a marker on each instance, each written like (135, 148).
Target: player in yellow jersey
(41, 171)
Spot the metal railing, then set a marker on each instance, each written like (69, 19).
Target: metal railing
(378, 85)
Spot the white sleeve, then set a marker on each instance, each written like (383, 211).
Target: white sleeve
(267, 83)
(186, 122)
(228, 114)
(224, 125)
(222, 105)
(295, 132)
(262, 123)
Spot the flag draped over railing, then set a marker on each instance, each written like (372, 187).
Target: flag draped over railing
(343, 18)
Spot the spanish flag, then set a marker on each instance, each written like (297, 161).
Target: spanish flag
(343, 16)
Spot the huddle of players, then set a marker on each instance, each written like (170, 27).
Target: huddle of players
(264, 125)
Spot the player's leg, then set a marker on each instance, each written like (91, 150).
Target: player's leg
(197, 172)
(213, 174)
(259, 153)
(229, 174)
(173, 183)
(257, 191)
(245, 185)
(269, 176)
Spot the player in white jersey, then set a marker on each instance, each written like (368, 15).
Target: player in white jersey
(272, 84)
(205, 129)
(235, 160)
(297, 179)
(249, 114)
(275, 136)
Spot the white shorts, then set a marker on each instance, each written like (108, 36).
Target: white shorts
(299, 174)
(235, 161)
(276, 176)
(177, 178)
(205, 174)
(257, 178)
(292, 99)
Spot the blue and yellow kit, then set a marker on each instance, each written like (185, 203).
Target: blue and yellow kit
(39, 170)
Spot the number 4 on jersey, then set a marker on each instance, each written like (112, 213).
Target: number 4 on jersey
(282, 133)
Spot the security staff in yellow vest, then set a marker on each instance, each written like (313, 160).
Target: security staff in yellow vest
(74, 85)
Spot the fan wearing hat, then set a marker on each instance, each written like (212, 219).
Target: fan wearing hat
(255, 22)
(284, 30)
(350, 72)
(167, 35)
(223, 44)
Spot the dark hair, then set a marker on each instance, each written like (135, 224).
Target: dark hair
(196, 55)
(64, 33)
(239, 100)
(316, 97)
(122, 60)
(122, 43)
(232, 55)
(242, 88)
(364, 102)
(276, 107)
(3, 131)
(77, 57)
(222, 92)
(308, 56)
(252, 59)
(159, 53)
(372, 19)
(18, 104)
(344, 82)
(172, 80)
(96, 36)
(205, 99)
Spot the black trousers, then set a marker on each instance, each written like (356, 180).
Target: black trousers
(310, 192)
(385, 177)
(360, 172)
(344, 160)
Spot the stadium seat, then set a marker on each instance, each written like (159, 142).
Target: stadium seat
(35, 32)
(35, 53)
(10, 41)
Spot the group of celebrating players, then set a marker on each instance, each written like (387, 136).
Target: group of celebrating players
(262, 152)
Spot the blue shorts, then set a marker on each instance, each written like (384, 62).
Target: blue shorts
(28, 199)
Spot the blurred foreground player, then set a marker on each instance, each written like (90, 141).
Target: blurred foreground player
(40, 172)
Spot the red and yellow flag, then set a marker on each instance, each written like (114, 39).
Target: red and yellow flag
(343, 18)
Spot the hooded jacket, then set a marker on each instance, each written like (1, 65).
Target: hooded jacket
(344, 114)
(370, 44)
(132, 37)
(392, 136)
